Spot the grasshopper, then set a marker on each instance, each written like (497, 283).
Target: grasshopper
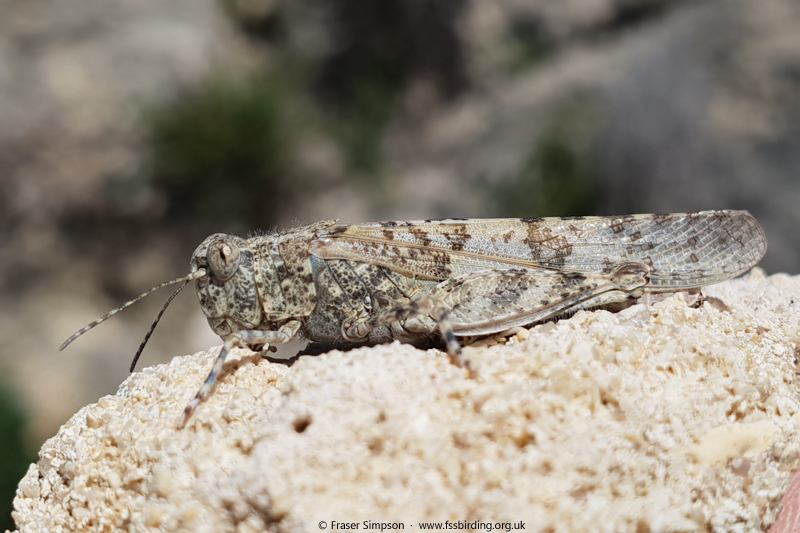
(412, 280)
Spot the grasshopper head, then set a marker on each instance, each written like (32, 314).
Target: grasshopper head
(227, 292)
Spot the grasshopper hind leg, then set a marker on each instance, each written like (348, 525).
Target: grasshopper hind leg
(492, 301)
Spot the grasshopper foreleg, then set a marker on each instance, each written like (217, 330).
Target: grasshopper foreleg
(240, 339)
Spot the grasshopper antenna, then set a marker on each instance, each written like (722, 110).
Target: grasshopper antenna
(185, 280)
(155, 323)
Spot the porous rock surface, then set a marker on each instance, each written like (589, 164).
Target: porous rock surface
(656, 418)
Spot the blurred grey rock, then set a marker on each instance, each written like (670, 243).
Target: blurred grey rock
(693, 107)
(74, 80)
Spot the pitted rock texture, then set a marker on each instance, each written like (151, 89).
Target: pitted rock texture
(656, 418)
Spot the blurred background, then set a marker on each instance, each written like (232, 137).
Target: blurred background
(131, 129)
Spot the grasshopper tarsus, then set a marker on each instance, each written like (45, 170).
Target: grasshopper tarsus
(187, 413)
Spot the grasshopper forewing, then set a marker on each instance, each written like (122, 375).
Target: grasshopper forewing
(409, 280)
(680, 250)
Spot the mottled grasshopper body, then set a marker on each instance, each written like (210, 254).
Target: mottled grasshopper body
(372, 283)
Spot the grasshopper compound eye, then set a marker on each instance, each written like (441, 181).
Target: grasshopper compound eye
(223, 258)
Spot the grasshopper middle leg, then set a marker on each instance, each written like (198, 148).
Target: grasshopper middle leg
(421, 306)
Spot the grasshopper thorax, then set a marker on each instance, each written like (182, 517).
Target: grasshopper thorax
(227, 293)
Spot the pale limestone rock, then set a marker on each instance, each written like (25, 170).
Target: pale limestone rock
(660, 418)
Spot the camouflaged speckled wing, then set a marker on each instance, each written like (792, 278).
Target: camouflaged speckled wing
(682, 250)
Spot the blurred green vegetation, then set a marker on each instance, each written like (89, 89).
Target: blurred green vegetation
(358, 124)
(555, 180)
(383, 46)
(219, 152)
(261, 19)
(222, 152)
(558, 177)
(14, 455)
(530, 45)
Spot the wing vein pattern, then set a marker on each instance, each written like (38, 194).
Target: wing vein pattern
(681, 250)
